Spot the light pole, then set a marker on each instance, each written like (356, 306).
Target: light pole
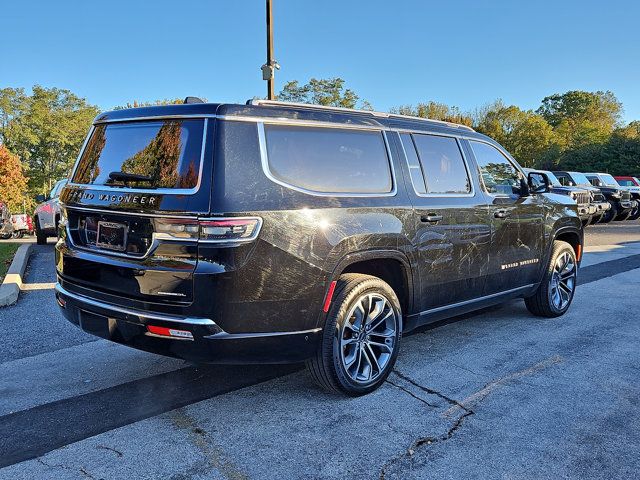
(269, 68)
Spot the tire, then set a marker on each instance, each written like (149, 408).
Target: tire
(18, 234)
(635, 214)
(41, 237)
(342, 339)
(609, 215)
(559, 282)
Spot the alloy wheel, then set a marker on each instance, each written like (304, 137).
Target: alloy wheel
(563, 281)
(368, 337)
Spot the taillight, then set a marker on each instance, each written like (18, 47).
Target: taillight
(230, 229)
(218, 230)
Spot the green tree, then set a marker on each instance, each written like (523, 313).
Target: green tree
(434, 111)
(581, 118)
(137, 104)
(328, 92)
(46, 130)
(13, 183)
(525, 134)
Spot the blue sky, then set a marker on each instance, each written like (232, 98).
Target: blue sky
(464, 53)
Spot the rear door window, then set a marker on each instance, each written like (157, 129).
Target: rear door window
(329, 160)
(146, 155)
(442, 163)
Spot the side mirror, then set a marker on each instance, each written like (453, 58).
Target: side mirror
(538, 182)
(40, 198)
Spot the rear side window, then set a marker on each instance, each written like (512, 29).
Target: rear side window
(329, 160)
(499, 175)
(442, 164)
(149, 154)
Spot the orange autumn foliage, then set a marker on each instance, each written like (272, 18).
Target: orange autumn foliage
(13, 183)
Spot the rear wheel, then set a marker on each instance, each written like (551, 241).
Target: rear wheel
(18, 234)
(361, 336)
(41, 237)
(555, 294)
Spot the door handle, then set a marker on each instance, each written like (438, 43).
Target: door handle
(501, 213)
(430, 218)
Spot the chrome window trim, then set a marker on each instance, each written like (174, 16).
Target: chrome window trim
(174, 191)
(465, 162)
(413, 167)
(506, 155)
(262, 141)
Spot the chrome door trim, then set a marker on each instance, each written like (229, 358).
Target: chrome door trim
(262, 142)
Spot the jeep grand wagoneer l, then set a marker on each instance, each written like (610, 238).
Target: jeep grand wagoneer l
(274, 232)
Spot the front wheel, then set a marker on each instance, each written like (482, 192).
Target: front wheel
(609, 215)
(361, 336)
(18, 234)
(555, 294)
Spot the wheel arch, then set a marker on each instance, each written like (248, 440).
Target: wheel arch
(391, 266)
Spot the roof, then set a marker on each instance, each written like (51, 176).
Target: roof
(285, 110)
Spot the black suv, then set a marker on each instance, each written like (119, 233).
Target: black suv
(622, 199)
(605, 202)
(583, 197)
(273, 232)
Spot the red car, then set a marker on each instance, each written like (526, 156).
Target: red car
(628, 181)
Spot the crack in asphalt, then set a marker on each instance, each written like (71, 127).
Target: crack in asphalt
(82, 470)
(409, 392)
(429, 440)
(117, 452)
(455, 405)
(430, 391)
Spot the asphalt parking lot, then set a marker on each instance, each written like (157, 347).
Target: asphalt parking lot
(497, 394)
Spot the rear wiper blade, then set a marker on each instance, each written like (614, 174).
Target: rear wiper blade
(128, 177)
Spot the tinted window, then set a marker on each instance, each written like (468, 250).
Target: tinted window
(157, 154)
(498, 173)
(442, 164)
(329, 160)
(626, 183)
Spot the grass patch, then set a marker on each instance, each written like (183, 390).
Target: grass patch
(7, 251)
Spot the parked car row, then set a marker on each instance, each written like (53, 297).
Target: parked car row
(14, 226)
(601, 198)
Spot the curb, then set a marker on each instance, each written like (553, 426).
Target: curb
(10, 288)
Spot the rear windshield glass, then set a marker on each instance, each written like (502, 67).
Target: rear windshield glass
(154, 154)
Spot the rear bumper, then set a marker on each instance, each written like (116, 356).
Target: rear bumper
(210, 344)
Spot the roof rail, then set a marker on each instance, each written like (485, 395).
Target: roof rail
(258, 101)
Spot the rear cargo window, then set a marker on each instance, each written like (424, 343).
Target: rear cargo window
(149, 154)
(329, 160)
